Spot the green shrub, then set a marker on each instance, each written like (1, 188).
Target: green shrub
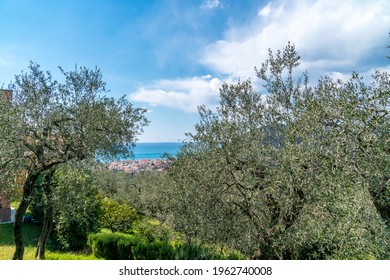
(156, 250)
(152, 230)
(117, 217)
(119, 246)
(104, 245)
(77, 207)
(193, 251)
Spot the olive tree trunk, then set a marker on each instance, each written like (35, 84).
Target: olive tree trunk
(28, 190)
(47, 225)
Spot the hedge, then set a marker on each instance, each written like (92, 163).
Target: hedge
(119, 246)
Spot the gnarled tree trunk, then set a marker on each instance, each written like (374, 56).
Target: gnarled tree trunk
(47, 220)
(18, 233)
(45, 233)
(28, 190)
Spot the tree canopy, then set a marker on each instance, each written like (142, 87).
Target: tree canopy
(300, 172)
(49, 123)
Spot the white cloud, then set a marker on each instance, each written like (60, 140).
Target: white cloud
(183, 94)
(265, 11)
(327, 34)
(338, 76)
(332, 37)
(212, 4)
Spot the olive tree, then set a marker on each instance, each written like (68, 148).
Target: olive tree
(214, 174)
(49, 123)
(147, 192)
(298, 173)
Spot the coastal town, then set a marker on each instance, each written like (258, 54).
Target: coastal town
(135, 167)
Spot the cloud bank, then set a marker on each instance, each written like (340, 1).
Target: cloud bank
(327, 34)
(183, 94)
(332, 37)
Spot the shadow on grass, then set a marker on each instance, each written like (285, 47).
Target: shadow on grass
(30, 234)
(30, 238)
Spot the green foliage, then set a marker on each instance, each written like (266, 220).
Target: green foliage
(54, 122)
(298, 173)
(31, 234)
(115, 246)
(151, 230)
(117, 216)
(156, 250)
(49, 123)
(104, 245)
(37, 205)
(118, 246)
(147, 192)
(77, 206)
(195, 251)
(111, 183)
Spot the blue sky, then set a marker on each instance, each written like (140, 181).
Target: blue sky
(171, 56)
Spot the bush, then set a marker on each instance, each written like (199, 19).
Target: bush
(151, 230)
(117, 217)
(77, 206)
(104, 245)
(193, 251)
(156, 250)
(119, 246)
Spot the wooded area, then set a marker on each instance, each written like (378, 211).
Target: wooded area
(295, 171)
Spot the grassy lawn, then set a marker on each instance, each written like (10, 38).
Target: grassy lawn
(30, 236)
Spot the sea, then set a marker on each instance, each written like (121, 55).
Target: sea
(155, 150)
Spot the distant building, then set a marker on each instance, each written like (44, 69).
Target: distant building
(5, 205)
(6, 93)
(5, 208)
